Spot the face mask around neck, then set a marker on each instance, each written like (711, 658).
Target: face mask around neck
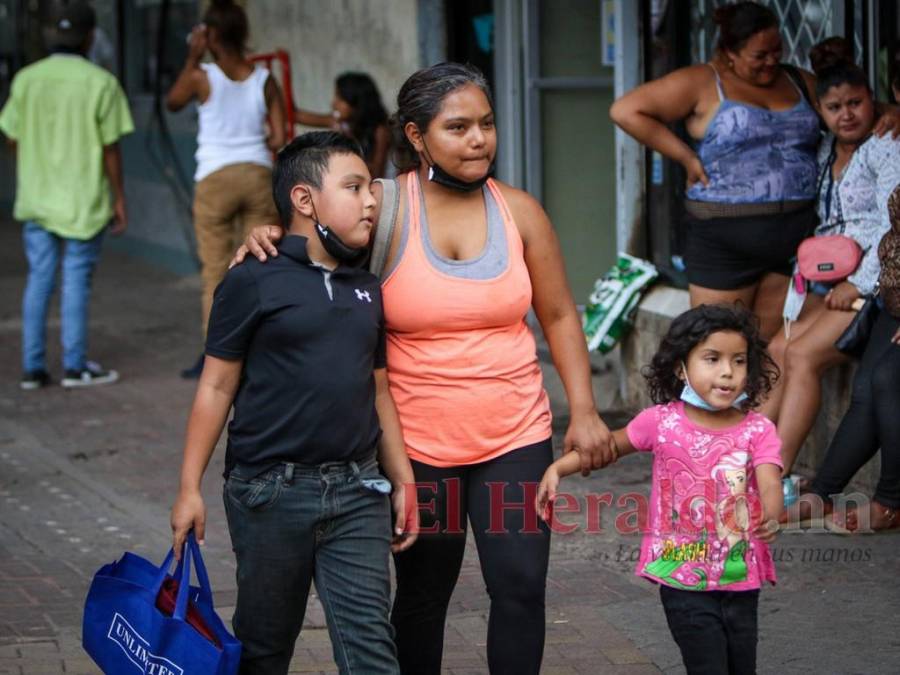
(437, 175)
(690, 396)
(333, 244)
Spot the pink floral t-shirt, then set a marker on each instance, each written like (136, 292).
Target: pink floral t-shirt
(704, 501)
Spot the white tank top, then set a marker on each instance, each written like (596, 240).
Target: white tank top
(232, 122)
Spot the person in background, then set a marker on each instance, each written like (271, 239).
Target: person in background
(857, 173)
(234, 149)
(751, 170)
(357, 112)
(751, 164)
(871, 422)
(64, 117)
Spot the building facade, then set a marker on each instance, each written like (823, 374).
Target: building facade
(555, 65)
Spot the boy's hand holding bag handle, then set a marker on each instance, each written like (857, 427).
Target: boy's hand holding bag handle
(138, 619)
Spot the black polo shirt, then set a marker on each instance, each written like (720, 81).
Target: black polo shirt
(310, 340)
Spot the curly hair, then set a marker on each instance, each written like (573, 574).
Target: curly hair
(693, 327)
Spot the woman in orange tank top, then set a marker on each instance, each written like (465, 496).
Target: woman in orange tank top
(464, 372)
(469, 258)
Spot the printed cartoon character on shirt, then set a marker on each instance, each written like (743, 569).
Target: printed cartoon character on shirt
(733, 517)
(701, 564)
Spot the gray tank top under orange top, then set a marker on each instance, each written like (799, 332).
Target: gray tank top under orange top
(488, 264)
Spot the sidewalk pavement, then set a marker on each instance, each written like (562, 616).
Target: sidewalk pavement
(86, 475)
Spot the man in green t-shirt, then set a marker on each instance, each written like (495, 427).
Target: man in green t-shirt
(64, 117)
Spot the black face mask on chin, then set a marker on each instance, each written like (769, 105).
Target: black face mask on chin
(437, 175)
(332, 243)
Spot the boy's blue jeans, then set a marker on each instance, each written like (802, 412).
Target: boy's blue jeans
(42, 249)
(295, 524)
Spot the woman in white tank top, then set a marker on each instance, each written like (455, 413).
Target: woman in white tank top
(241, 123)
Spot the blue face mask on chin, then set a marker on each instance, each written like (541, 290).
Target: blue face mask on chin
(690, 396)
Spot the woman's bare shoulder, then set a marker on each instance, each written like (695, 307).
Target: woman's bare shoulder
(527, 213)
(520, 203)
(700, 72)
(697, 76)
(679, 93)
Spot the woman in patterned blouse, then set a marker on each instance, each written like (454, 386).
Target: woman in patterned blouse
(857, 172)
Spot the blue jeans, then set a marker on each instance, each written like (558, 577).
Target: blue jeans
(295, 524)
(42, 249)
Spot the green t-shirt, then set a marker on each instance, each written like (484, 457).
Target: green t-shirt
(61, 112)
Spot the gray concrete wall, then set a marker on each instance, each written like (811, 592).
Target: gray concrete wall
(656, 312)
(328, 37)
(159, 188)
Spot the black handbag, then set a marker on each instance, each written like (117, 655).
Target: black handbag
(854, 339)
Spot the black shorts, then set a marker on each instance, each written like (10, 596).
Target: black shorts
(725, 254)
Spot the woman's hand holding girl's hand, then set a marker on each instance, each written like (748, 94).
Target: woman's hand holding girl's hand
(695, 171)
(260, 241)
(543, 502)
(841, 297)
(591, 439)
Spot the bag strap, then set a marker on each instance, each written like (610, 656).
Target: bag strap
(794, 73)
(163, 572)
(200, 568)
(182, 574)
(183, 577)
(384, 229)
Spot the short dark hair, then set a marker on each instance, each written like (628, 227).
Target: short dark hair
(740, 21)
(693, 327)
(305, 160)
(230, 22)
(420, 99)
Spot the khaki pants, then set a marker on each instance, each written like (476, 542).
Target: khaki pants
(228, 203)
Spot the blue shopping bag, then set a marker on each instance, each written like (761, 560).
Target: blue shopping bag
(125, 632)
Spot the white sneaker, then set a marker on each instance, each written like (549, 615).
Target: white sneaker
(89, 376)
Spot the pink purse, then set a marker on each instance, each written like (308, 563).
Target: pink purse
(830, 258)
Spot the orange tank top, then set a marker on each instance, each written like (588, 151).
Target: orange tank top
(462, 363)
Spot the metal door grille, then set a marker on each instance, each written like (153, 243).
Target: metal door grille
(803, 24)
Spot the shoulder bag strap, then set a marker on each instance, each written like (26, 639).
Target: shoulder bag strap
(384, 228)
(794, 73)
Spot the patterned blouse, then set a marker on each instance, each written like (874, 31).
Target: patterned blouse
(855, 203)
(753, 155)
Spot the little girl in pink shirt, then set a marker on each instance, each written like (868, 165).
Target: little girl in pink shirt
(716, 492)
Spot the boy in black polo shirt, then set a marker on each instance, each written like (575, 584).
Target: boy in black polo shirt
(298, 346)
